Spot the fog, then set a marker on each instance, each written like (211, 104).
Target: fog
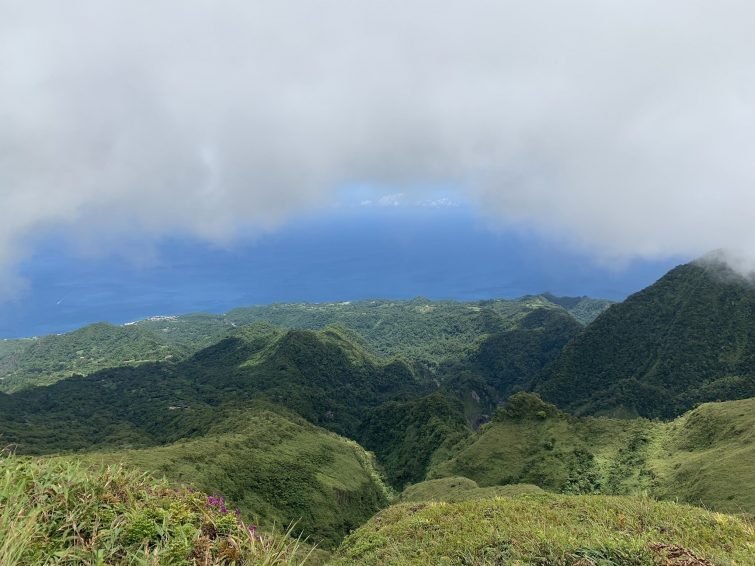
(625, 129)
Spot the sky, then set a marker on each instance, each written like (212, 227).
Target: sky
(621, 134)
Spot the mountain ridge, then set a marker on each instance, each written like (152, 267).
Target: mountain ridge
(686, 339)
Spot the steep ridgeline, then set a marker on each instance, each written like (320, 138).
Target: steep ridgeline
(703, 457)
(584, 309)
(687, 339)
(323, 376)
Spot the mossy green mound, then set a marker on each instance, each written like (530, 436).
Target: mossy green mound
(550, 530)
(462, 489)
(62, 512)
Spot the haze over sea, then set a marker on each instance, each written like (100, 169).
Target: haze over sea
(371, 252)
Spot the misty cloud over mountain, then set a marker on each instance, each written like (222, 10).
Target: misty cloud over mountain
(627, 129)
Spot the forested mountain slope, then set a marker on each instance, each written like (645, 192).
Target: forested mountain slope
(42, 361)
(407, 435)
(506, 361)
(323, 376)
(687, 339)
(231, 419)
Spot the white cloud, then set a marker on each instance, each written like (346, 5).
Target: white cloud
(443, 202)
(395, 199)
(627, 128)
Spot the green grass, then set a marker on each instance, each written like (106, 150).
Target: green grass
(550, 530)
(707, 456)
(63, 512)
(277, 468)
(457, 489)
(704, 457)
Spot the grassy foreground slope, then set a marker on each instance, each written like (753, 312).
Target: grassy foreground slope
(704, 457)
(708, 455)
(277, 468)
(61, 512)
(551, 530)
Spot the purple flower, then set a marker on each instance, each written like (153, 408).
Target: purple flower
(216, 501)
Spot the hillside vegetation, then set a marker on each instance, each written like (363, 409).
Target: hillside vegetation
(322, 376)
(43, 361)
(428, 331)
(228, 418)
(457, 489)
(685, 340)
(704, 457)
(510, 360)
(434, 331)
(61, 512)
(277, 469)
(315, 416)
(551, 530)
(584, 309)
(408, 435)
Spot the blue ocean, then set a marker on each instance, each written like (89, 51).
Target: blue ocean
(438, 254)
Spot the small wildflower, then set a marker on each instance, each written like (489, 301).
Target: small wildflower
(216, 501)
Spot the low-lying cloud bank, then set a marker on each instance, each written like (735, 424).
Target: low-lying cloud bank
(624, 128)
